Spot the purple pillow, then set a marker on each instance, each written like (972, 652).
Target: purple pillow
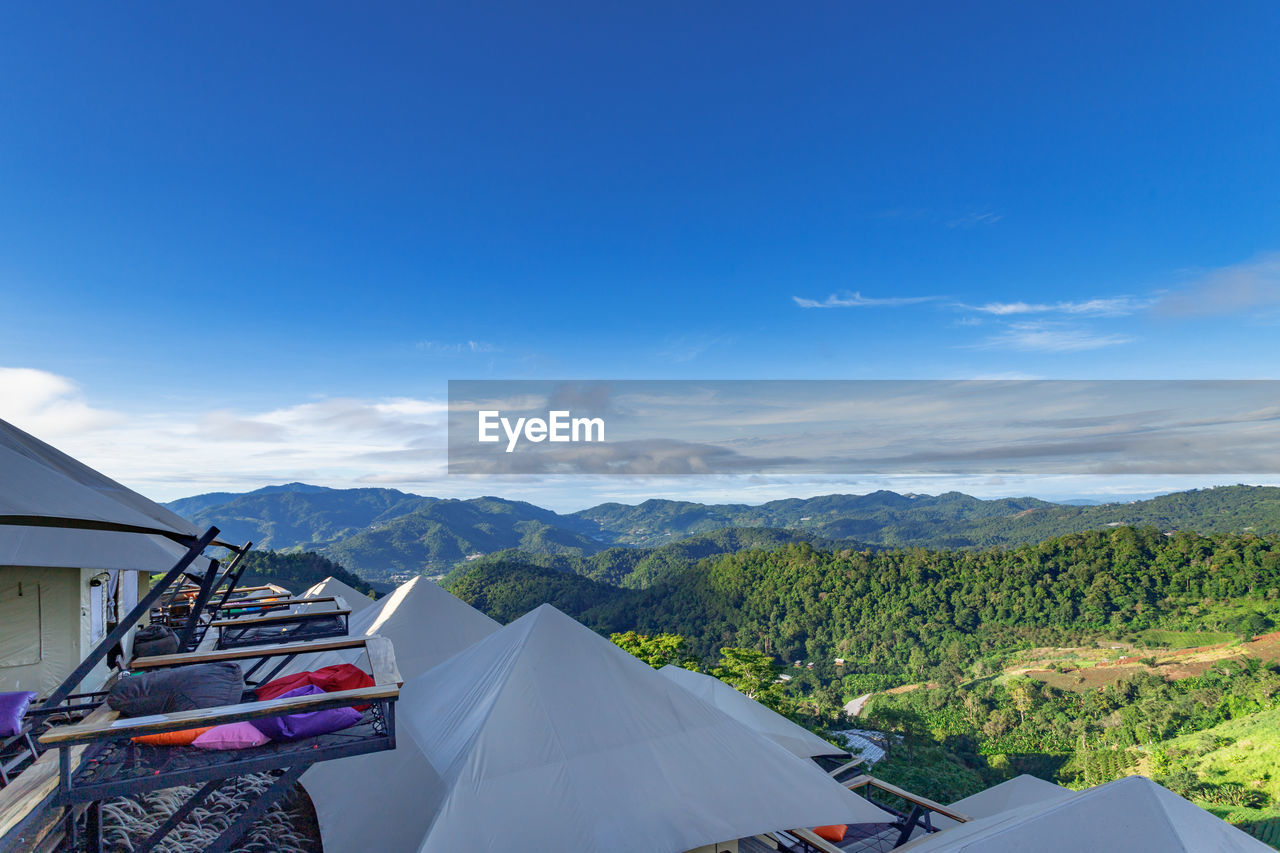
(231, 736)
(307, 723)
(13, 707)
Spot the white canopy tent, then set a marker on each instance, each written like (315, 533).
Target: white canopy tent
(791, 737)
(42, 484)
(424, 623)
(1129, 815)
(546, 736)
(355, 600)
(1010, 794)
(102, 550)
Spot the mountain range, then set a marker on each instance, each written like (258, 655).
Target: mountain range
(384, 533)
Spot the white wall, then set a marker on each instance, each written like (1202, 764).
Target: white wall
(31, 657)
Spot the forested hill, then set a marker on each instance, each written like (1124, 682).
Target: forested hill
(951, 520)
(296, 515)
(915, 613)
(640, 567)
(380, 532)
(296, 571)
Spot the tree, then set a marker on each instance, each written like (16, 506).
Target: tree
(657, 650)
(752, 672)
(1022, 699)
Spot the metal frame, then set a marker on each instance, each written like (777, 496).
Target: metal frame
(375, 736)
(112, 766)
(921, 812)
(230, 633)
(83, 801)
(118, 633)
(196, 629)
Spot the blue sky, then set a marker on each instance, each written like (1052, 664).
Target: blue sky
(213, 215)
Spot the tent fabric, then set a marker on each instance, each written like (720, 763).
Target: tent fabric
(1129, 815)
(546, 736)
(791, 737)
(355, 600)
(1018, 791)
(42, 481)
(424, 623)
(51, 547)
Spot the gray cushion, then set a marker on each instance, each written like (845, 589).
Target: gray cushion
(154, 640)
(184, 688)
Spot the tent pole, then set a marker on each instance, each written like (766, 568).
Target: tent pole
(141, 609)
(192, 633)
(231, 577)
(207, 583)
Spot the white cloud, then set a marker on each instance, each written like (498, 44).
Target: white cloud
(688, 347)
(975, 219)
(334, 441)
(44, 403)
(458, 348)
(1253, 285)
(1048, 337)
(1116, 306)
(854, 299)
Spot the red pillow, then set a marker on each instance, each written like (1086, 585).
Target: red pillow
(340, 676)
(835, 832)
(178, 738)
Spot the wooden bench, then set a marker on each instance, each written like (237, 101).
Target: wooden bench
(378, 650)
(95, 760)
(128, 727)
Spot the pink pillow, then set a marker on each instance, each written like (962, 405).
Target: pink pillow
(231, 736)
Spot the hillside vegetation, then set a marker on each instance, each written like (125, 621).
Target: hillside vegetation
(1078, 659)
(919, 613)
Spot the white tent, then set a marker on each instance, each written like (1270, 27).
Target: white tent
(355, 600)
(1010, 794)
(1129, 815)
(424, 623)
(90, 549)
(795, 739)
(546, 736)
(1013, 793)
(40, 482)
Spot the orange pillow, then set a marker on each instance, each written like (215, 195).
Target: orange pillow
(179, 738)
(835, 832)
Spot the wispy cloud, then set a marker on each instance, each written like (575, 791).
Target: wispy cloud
(1114, 306)
(1252, 285)
(975, 219)
(688, 347)
(1051, 337)
(854, 299)
(457, 349)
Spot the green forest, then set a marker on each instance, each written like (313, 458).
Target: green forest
(1114, 610)
(296, 571)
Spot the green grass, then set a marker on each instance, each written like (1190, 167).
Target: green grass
(1246, 752)
(1156, 637)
